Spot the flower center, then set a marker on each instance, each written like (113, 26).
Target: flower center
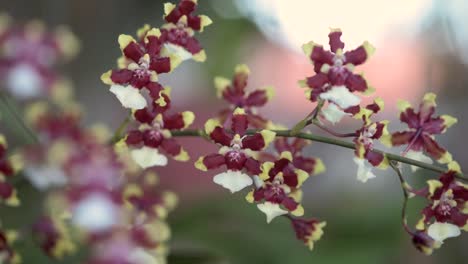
(446, 203)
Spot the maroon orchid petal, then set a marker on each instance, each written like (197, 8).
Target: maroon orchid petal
(174, 121)
(356, 82)
(220, 136)
(374, 158)
(335, 41)
(121, 76)
(144, 116)
(318, 80)
(402, 138)
(434, 126)
(171, 146)
(160, 65)
(154, 89)
(133, 51)
(252, 166)
(214, 161)
(6, 190)
(257, 98)
(254, 142)
(290, 177)
(257, 121)
(320, 56)
(305, 164)
(411, 118)
(239, 124)
(193, 46)
(134, 137)
(289, 203)
(433, 148)
(357, 56)
(154, 45)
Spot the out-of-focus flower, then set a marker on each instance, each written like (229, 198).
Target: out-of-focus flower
(28, 56)
(235, 94)
(7, 253)
(422, 127)
(53, 236)
(308, 230)
(237, 151)
(8, 169)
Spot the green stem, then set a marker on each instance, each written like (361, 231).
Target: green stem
(121, 129)
(336, 142)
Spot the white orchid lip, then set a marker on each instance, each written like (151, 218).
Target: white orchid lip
(172, 49)
(441, 231)
(364, 172)
(148, 157)
(234, 181)
(271, 210)
(129, 96)
(341, 96)
(333, 113)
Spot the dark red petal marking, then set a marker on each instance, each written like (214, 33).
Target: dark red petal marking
(356, 82)
(235, 160)
(133, 51)
(335, 41)
(253, 166)
(254, 142)
(433, 148)
(374, 158)
(121, 76)
(305, 164)
(160, 65)
(402, 138)
(171, 146)
(134, 137)
(239, 124)
(152, 138)
(318, 80)
(174, 121)
(411, 118)
(257, 98)
(357, 56)
(220, 136)
(213, 161)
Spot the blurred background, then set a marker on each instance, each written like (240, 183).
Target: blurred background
(422, 45)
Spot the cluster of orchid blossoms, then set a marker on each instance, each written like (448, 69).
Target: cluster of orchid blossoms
(101, 190)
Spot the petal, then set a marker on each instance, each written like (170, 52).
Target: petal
(148, 157)
(209, 162)
(360, 54)
(341, 96)
(219, 135)
(259, 97)
(419, 156)
(317, 81)
(233, 180)
(333, 114)
(271, 210)
(239, 122)
(335, 40)
(441, 231)
(364, 172)
(129, 96)
(435, 150)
